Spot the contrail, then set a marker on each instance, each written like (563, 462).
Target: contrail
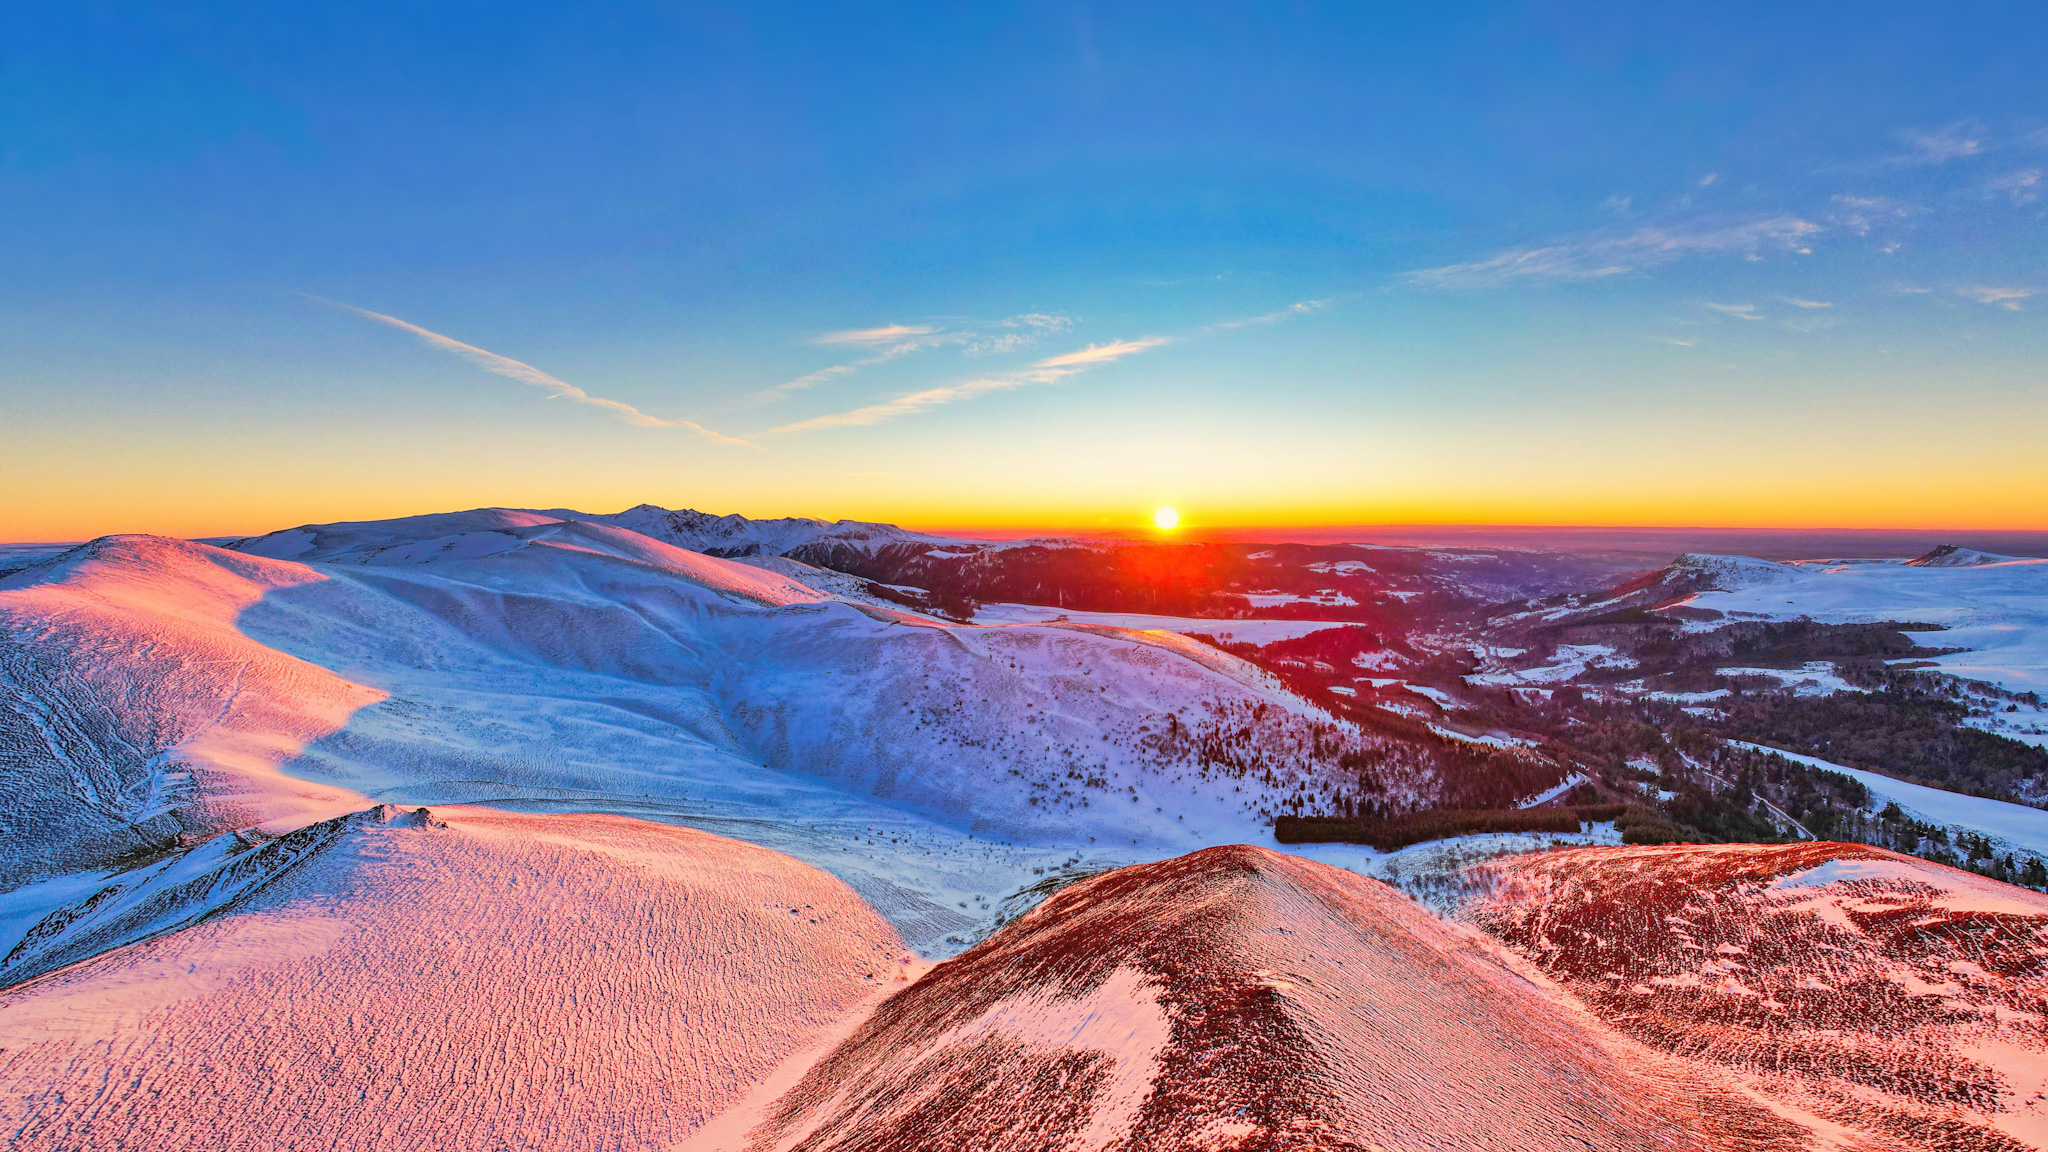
(527, 374)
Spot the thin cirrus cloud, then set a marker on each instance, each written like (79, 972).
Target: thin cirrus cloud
(1599, 255)
(1047, 371)
(886, 334)
(1303, 308)
(527, 374)
(1796, 302)
(901, 340)
(2022, 187)
(1942, 145)
(1739, 311)
(2006, 298)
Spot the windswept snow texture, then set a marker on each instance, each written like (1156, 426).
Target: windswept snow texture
(1240, 999)
(158, 691)
(473, 980)
(1995, 607)
(1894, 997)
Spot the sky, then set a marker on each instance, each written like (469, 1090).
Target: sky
(1042, 266)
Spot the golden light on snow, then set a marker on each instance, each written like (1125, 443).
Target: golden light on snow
(1167, 519)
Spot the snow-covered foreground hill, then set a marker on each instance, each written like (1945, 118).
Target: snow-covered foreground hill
(161, 692)
(1240, 999)
(468, 979)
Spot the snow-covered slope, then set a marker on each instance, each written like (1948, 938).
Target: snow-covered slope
(470, 980)
(134, 710)
(1894, 997)
(1239, 999)
(2008, 825)
(1995, 608)
(160, 689)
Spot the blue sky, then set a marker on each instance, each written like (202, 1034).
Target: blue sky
(1024, 265)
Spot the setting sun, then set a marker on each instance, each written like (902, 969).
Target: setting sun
(1166, 519)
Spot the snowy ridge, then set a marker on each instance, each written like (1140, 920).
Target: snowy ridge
(1237, 998)
(171, 893)
(1957, 556)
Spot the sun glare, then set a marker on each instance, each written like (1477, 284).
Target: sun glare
(1167, 519)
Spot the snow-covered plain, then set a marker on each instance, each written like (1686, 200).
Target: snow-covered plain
(1238, 631)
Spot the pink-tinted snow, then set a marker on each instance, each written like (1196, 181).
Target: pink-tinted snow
(474, 980)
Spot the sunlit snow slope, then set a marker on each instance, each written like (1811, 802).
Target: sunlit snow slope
(468, 979)
(1886, 994)
(1236, 998)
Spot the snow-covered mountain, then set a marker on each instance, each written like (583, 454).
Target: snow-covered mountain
(163, 691)
(1990, 613)
(526, 828)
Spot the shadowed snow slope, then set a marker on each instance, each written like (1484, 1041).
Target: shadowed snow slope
(1239, 999)
(470, 980)
(159, 691)
(1882, 992)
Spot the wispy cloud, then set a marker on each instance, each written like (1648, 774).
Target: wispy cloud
(1739, 311)
(886, 334)
(1047, 371)
(1101, 353)
(1600, 255)
(2022, 187)
(1025, 330)
(1617, 203)
(1796, 302)
(1304, 308)
(1942, 145)
(898, 340)
(2007, 298)
(1680, 343)
(527, 374)
(1860, 214)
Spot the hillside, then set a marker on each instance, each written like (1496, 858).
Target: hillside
(1239, 999)
(1879, 992)
(460, 979)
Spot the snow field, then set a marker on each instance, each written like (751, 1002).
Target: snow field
(587, 982)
